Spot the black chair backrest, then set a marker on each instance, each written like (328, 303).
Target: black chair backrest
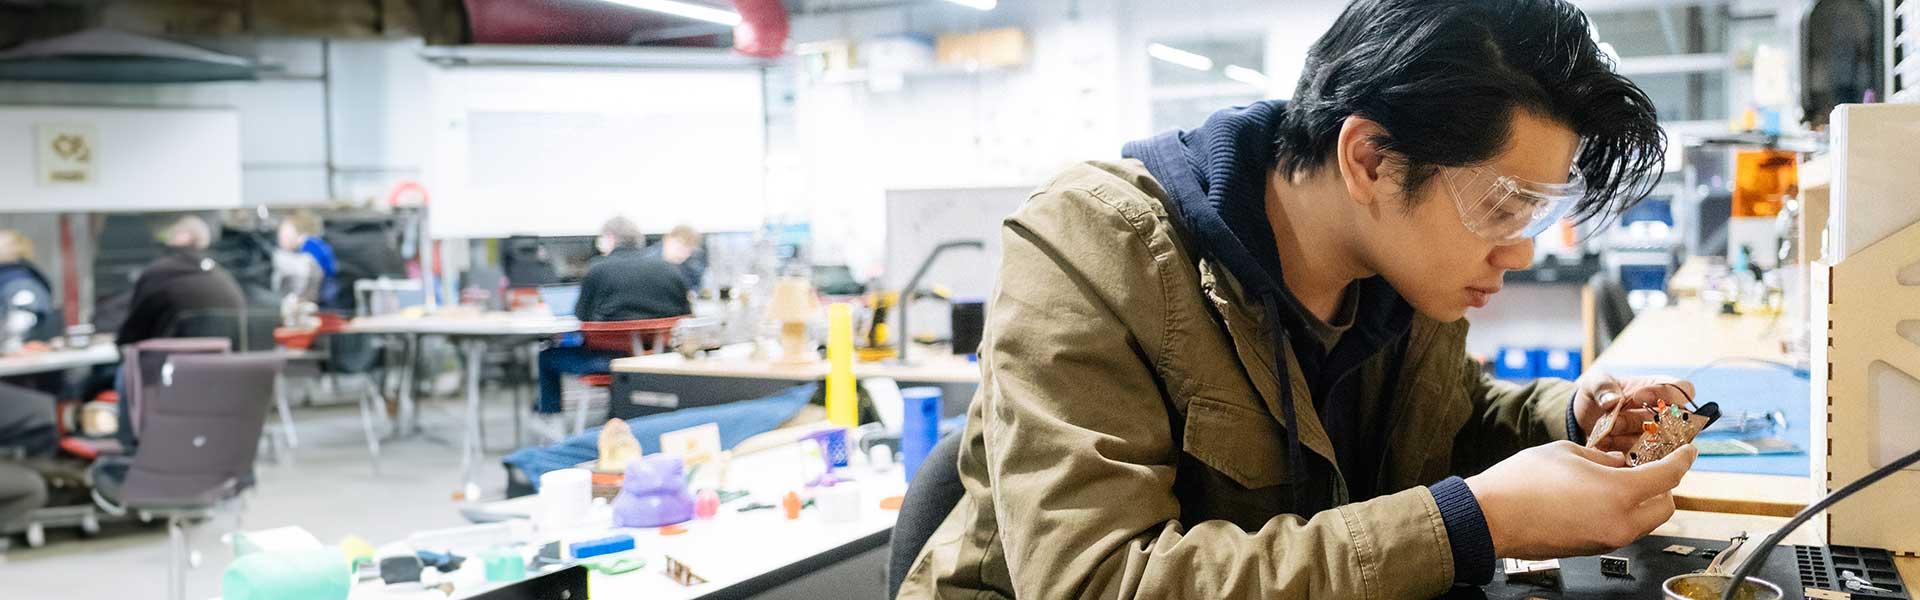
(250, 329)
(933, 493)
(202, 431)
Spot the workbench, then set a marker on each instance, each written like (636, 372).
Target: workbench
(27, 363)
(1717, 505)
(645, 385)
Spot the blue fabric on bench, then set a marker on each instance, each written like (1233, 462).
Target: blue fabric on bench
(738, 421)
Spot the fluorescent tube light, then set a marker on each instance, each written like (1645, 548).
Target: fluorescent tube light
(1247, 76)
(684, 9)
(1180, 57)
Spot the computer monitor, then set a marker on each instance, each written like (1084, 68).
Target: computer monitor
(560, 298)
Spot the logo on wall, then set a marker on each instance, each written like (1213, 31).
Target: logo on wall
(66, 154)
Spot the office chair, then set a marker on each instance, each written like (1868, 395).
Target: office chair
(197, 447)
(146, 359)
(932, 494)
(637, 338)
(248, 329)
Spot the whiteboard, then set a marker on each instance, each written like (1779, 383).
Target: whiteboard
(558, 150)
(141, 159)
(919, 220)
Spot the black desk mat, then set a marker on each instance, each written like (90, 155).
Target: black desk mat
(1580, 578)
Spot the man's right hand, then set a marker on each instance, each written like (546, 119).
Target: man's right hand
(1562, 500)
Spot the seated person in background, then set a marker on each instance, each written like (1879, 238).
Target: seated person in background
(26, 423)
(18, 275)
(26, 431)
(624, 285)
(681, 248)
(183, 279)
(314, 278)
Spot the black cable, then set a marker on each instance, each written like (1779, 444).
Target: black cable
(1721, 362)
(1759, 556)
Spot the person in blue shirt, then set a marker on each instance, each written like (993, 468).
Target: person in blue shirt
(300, 233)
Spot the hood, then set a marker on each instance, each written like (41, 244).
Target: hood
(107, 55)
(1216, 179)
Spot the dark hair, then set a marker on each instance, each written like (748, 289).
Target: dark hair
(1444, 78)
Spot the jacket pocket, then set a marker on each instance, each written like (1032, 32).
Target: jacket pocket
(1243, 443)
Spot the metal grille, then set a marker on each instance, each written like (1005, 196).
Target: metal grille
(1903, 60)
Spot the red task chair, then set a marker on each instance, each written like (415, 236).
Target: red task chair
(637, 338)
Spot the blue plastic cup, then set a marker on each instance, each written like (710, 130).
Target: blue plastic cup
(920, 430)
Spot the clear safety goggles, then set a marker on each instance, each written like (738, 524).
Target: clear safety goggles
(1504, 209)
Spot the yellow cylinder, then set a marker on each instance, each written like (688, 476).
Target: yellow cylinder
(843, 403)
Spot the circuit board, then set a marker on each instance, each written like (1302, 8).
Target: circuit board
(1671, 428)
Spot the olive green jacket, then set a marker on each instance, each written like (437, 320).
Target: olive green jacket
(1126, 439)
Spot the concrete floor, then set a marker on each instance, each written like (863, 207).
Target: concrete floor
(330, 489)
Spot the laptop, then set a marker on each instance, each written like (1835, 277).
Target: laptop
(560, 298)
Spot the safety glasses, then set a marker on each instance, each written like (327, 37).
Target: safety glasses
(1504, 209)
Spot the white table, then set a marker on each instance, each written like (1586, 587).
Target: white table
(471, 333)
(27, 363)
(738, 553)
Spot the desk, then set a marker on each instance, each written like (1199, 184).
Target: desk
(740, 554)
(1685, 336)
(665, 382)
(1689, 335)
(27, 363)
(471, 333)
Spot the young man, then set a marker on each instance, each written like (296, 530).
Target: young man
(624, 285)
(1233, 366)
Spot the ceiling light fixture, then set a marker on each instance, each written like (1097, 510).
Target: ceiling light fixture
(1247, 76)
(684, 9)
(977, 4)
(1180, 57)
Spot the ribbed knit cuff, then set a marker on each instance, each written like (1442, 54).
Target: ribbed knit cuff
(1467, 531)
(1574, 434)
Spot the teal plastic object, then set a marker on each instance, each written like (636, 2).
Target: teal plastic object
(311, 574)
(504, 565)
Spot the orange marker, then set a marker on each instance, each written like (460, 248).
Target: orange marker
(792, 505)
(1650, 427)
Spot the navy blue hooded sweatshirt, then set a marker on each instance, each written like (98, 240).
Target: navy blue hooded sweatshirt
(1216, 175)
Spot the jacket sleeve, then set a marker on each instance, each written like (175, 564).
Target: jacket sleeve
(1508, 417)
(1081, 463)
(586, 304)
(143, 313)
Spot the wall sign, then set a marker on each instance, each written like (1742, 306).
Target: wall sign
(66, 153)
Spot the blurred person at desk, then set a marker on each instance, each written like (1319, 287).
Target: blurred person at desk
(18, 276)
(1234, 365)
(625, 284)
(306, 265)
(183, 279)
(681, 248)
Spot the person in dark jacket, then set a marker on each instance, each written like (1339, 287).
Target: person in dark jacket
(182, 279)
(627, 284)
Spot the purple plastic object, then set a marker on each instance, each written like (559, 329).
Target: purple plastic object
(654, 493)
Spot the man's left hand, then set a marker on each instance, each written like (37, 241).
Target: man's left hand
(1640, 394)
